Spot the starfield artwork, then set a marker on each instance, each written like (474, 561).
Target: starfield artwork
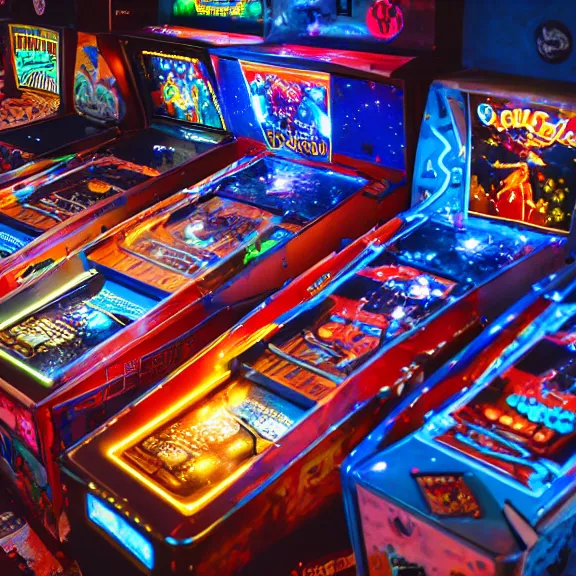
(523, 162)
(182, 89)
(292, 107)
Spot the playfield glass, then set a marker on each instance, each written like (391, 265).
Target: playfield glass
(242, 213)
(182, 89)
(96, 93)
(208, 443)
(42, 205)
(36, 53)
(524, 422)
(523, 162)
(292, 108)
(288, 189)
(51, 338)
(322, 345)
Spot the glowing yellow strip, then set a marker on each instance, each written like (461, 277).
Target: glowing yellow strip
(153, 424)
(185, 508)
(193, 61)
(44, 380)
(47, 299)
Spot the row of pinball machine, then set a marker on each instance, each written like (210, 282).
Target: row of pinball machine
(259, 258)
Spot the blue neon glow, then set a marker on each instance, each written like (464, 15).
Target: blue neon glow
(556, 418)
(120, 530)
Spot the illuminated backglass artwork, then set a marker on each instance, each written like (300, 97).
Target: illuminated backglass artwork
(96, 92)
(246, 9)
(523, 162)
(182, 89)
(36, 53)
(292, 108)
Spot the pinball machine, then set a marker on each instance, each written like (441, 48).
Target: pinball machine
(251, 432)
(177, 116)
(486, 489)
(116, 316)
(111, 319)
(490, 476)
(47, 215)
(65, 90)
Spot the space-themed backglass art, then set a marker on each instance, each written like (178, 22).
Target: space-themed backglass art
(523, 162)
(292, 108)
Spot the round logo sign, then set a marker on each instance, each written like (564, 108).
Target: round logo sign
(39, 6)
(553, 41)
(385, 20)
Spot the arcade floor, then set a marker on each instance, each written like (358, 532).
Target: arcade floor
(320, 547)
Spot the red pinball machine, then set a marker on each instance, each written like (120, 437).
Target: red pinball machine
(120, 313)
(242, 444)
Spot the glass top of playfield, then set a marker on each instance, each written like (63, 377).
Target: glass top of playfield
(47, 341)
(254, 206)
(523, 423)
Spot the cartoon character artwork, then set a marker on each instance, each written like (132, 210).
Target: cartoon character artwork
(96, 93)
(292, 108)
(521, 160)
(182, 89)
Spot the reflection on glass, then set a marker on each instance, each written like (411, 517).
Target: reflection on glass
(47, 202)
(201, 448)
(52, 338)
